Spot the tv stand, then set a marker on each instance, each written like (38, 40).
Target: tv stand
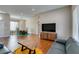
(48, 35)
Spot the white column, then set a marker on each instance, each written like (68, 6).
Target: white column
(4, 25)
(75, 18)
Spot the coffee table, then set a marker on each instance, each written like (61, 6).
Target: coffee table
(29, 43)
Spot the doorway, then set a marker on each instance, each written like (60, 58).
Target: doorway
(13, 27)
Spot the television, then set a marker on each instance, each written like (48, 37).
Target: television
(49, 27)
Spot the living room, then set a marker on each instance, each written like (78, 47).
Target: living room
(30, 20)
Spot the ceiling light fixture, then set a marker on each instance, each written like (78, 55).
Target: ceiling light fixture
(1, 18)
(33, 9)
(19, 17)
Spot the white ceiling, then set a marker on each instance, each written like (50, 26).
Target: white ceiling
(27, 11)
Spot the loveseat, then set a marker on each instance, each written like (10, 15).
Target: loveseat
(69, 46)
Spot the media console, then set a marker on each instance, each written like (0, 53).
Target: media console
(48, 35)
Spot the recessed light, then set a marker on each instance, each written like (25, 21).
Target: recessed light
(21, 14)
(1, 18)
(33, 9)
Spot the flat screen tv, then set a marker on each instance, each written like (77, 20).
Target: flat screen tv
(49, 27)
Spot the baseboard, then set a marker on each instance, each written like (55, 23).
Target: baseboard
(33, 33)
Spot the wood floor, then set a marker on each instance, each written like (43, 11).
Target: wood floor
(12, 44)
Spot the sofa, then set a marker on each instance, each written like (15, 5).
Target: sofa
(60, 46)
(4, 49)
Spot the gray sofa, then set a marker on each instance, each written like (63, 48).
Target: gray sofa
(4, 49)
(69, 46)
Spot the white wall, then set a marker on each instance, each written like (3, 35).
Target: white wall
(63, 19)
(75, 14)
(4, 25)
(29, 26)
(13, 25)
(22, 24)
(32, 25)
(78, 23)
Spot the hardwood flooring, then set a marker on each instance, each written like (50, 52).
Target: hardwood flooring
(11, 42)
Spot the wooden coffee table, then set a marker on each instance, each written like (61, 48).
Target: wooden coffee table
(30, 43)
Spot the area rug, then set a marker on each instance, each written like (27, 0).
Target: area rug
(18, 51)
(22, 35)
